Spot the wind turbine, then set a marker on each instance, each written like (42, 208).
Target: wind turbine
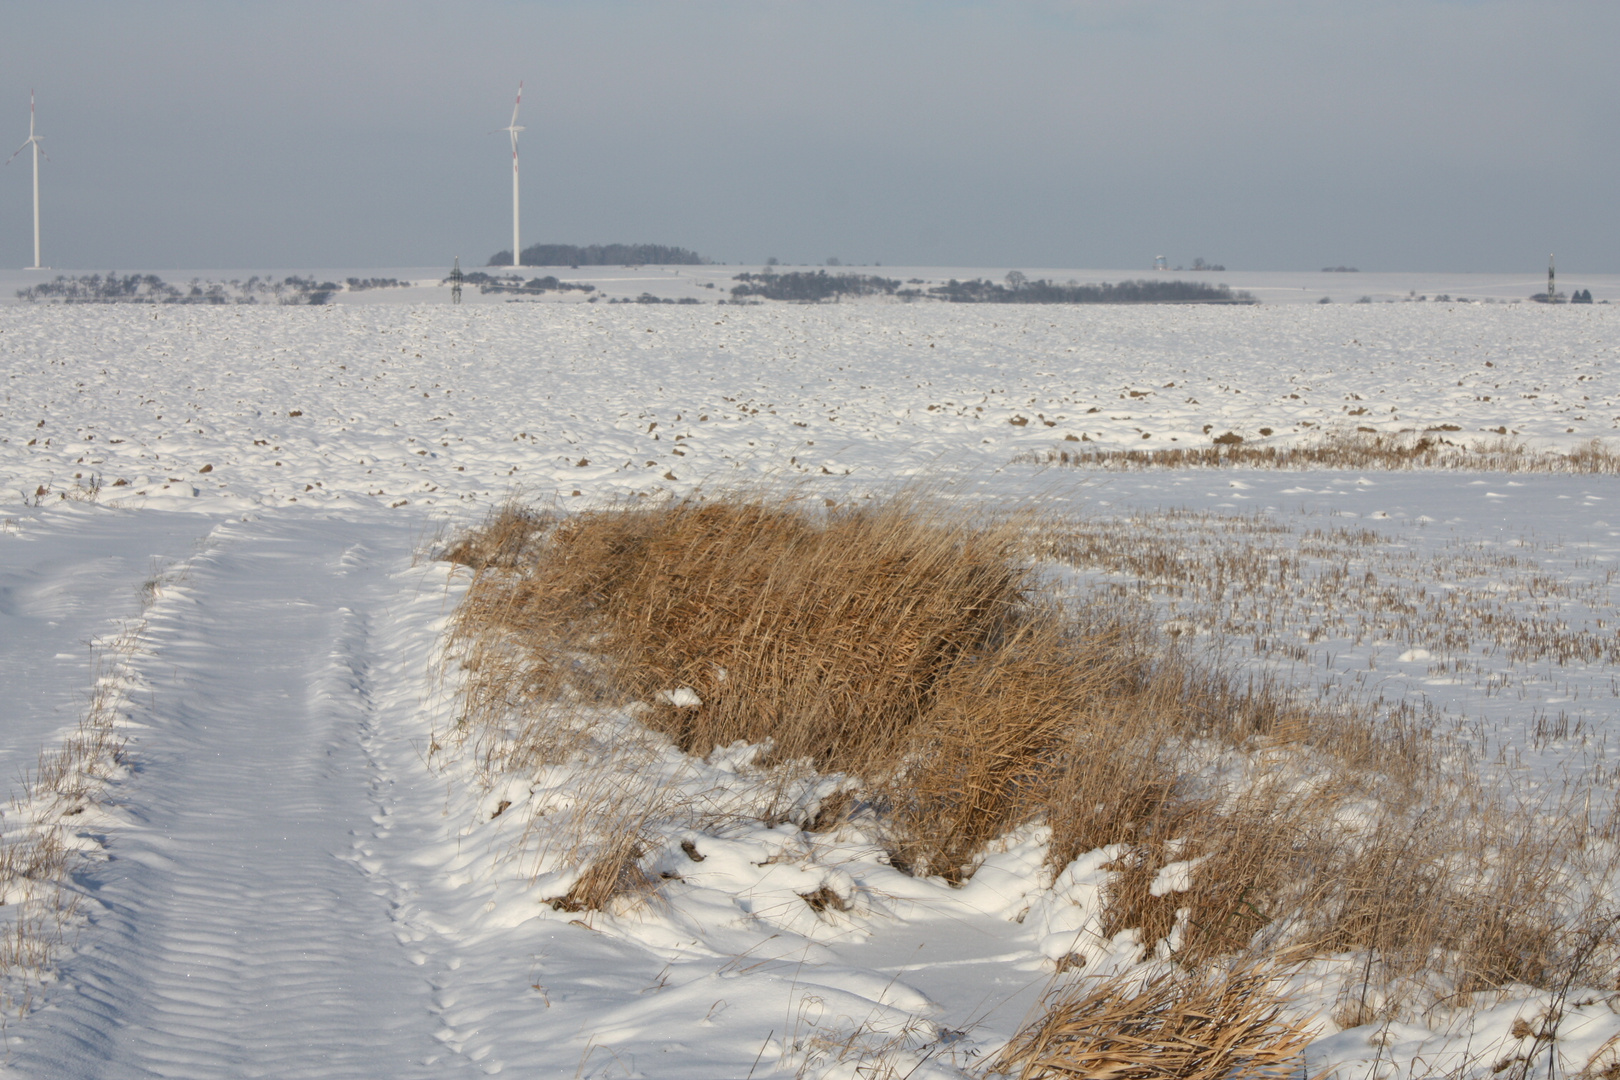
(513, 129)
(33, 140)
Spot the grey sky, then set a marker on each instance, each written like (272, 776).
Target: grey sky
(1263, 134)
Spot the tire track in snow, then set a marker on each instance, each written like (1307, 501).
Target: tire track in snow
(234, 933)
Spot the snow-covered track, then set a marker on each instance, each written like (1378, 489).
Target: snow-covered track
(236, 931)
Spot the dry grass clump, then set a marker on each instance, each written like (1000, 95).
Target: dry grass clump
(903, 645)
(614, 870)
(1175, 1025)
(1339, 833)
(1352, 450)
(37, 849)
(1341, 836)
(897, 643)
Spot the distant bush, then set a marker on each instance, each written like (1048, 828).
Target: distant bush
(1340, 270)
(1042, 291)
(514, 283)
(1581, 296)
(649, 298)
(361, 284)
(601, 255)
(806, 287)
(96, 289)
(305, 290)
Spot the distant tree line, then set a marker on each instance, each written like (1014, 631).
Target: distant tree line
(110, 288)
(99, 289)
(1018, 290)
(818, 286)
(600, 255)
(303, 290)
(1579, 296)
(649, 298)
(514, 283)
(807, 287)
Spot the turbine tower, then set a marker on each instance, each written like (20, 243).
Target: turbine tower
(512, 129)
(33, 140)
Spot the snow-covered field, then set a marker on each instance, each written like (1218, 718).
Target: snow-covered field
(288, 883)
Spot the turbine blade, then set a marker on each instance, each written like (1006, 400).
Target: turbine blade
(518, 103)
(19, 150)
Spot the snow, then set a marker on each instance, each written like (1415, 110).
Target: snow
(437, 406)
(232, 931)
(293, 877)
(72, 578)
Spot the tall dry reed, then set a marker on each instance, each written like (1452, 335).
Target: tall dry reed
(907, 646)
(898, 643)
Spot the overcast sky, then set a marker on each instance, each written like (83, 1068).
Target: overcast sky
(1263, 134)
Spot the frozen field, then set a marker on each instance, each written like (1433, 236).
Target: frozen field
(281, 884)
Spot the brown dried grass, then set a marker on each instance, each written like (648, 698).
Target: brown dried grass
(905, 645)
(898, 643)
(1346, 834)
(1379, 835)
(1177, 1025)
(37, 856)
(1352, 450)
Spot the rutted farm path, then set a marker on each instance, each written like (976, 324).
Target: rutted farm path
(237, 928)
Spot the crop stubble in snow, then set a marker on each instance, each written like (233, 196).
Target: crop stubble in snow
(337, 408)
(440, 405)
